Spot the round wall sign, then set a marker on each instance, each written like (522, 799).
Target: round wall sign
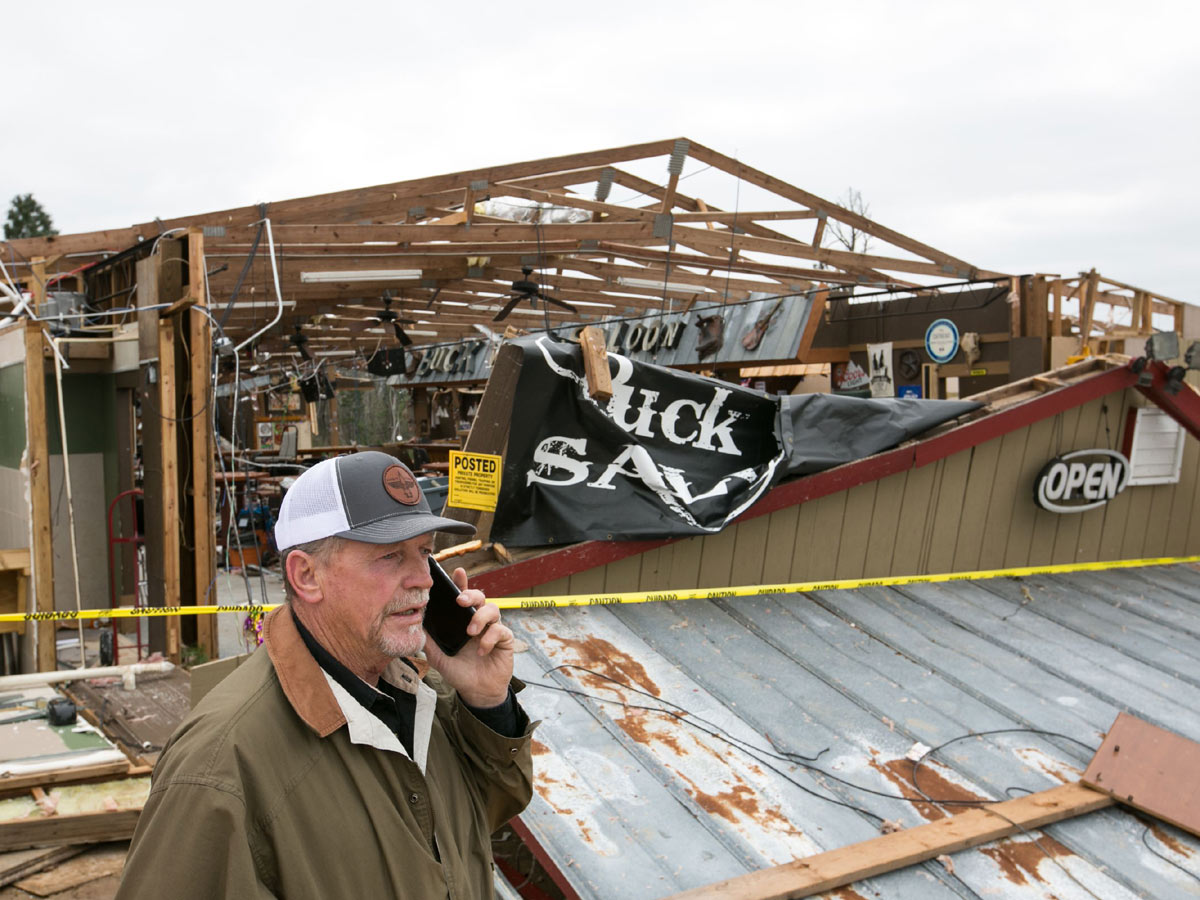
(941, 341)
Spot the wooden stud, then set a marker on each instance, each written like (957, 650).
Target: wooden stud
(170, 480)
(37, 280)
(1088, 309)
(38, 456)
(202, 440)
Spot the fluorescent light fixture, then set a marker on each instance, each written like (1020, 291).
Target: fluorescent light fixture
(658, 285)
(250, 304)
(419, 333)
(360, 275)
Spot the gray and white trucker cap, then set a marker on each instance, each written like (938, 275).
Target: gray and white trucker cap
(368, 496)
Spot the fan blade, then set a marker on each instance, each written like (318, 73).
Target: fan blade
(403, 338)
(508, 308)
(433, 299)
(563, 303)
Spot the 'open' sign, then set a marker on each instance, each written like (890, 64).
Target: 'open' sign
(1082, 480)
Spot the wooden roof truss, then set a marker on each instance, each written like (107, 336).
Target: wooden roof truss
(448, 261)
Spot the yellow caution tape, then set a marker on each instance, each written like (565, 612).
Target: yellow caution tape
(547, 602)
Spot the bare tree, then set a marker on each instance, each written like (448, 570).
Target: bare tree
(849, 237)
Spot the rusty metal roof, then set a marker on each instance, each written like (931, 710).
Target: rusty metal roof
(635, 803)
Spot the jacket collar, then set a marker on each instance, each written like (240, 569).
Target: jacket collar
(302, 679)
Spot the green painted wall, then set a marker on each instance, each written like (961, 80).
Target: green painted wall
(12, 415)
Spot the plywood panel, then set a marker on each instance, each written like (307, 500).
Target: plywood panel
(949, 512)
(827, 532)
(885, 523)
(91, 510)
(976, 503)
(781, 541)
(1038, 446)
(1151, 769)
(716, 558)
(856, 530)
(907, 557)
(1004, 498)
(750, 550)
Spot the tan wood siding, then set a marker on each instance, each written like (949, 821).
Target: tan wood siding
(885, 522)
(855, 534)
(781, 541)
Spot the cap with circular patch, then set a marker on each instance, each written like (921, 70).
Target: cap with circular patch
(368, 496)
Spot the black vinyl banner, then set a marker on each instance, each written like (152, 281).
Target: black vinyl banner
(671, 453)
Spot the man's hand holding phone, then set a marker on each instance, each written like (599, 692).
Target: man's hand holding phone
(470, 646)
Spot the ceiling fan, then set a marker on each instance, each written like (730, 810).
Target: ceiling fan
(298, 340)
(388, 315)
(524, 289)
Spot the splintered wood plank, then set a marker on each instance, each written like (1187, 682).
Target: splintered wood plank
(846, 865)
(595, 364)
(1151, 769)
(97, 863)
(83, 828)
(19, 864)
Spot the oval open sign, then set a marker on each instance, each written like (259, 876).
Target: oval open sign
(1082, 480)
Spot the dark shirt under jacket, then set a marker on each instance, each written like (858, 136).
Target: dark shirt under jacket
(396, 708)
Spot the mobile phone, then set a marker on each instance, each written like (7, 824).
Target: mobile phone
(445, 620)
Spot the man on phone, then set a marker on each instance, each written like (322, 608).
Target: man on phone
(336, 762)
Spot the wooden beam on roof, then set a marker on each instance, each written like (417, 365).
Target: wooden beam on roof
(1104, 279)
(727, 218)
(947, 264)
(614, 213)
(355, 204)
(723, 241)
(454, 234)
(837, 868)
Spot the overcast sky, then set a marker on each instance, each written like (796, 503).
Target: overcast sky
(1047, 137)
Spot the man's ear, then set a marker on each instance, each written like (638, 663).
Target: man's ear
(302, 573)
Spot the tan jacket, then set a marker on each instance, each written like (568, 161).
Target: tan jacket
(263, 792)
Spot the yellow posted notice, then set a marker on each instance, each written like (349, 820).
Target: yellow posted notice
(474, 480)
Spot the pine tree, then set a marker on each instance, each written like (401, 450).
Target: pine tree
(27, 218)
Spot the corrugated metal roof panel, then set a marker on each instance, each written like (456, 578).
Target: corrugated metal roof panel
(639, 803)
